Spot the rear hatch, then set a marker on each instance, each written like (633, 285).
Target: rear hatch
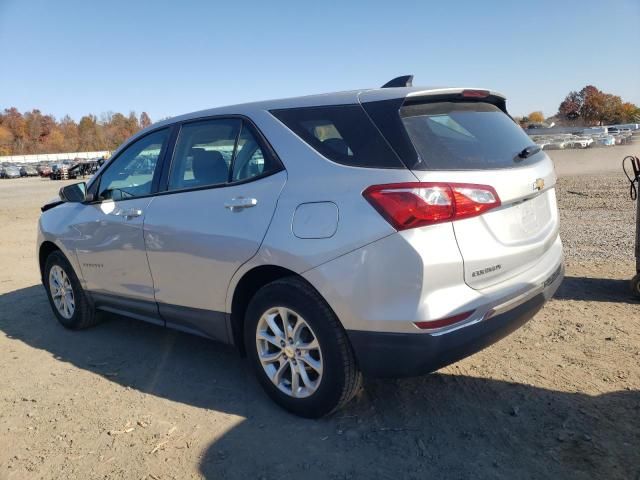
(468, 138)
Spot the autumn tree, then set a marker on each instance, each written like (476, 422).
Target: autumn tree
(536, 117)
(87, 133)
(591, 106)
(35, 132)
(145, 121)
(6, 140)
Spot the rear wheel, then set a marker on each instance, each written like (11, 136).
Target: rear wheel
(298, 349)
(66, 296)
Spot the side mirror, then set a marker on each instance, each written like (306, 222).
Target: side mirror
(74, 193)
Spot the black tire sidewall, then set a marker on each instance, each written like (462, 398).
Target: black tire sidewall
(57, 258)
(635, 286)
(323, 322)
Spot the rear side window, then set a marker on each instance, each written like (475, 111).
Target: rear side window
(464, 136)
(342, 133)
(216, 152)
(249, 160)
(203, 153)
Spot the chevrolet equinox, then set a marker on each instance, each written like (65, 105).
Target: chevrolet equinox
(384, 232)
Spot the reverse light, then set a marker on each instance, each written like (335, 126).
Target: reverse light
(417, 204)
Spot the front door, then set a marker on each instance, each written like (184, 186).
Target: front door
(222, 191)
(110, 245)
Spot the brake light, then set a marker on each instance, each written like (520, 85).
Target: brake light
(417, 204)
(475, 93)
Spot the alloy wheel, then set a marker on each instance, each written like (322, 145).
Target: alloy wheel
(61, 292)
(289, 352)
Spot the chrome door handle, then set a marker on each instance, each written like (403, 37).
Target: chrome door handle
(240, 203)
(131, 213)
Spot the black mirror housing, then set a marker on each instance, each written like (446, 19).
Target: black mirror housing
(74, 193)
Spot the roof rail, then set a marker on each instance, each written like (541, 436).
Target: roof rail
(403, 81)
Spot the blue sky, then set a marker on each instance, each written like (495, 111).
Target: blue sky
(171, 57)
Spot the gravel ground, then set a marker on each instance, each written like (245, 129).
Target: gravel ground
(597, 218)
(559, 398)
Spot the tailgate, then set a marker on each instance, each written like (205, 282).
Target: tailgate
(506, 241)
(462, 140)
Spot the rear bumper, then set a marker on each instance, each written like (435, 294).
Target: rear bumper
(411, 354)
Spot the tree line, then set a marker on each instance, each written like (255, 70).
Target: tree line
(591, 106)
(34, 132)
(588, 107)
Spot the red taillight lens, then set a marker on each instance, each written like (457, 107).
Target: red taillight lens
(416, 204)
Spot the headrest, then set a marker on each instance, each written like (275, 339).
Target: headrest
(209, 167)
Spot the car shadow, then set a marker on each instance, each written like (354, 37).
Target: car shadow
(596, 290)
(435, 426)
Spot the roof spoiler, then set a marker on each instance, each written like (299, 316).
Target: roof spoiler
(403, 81)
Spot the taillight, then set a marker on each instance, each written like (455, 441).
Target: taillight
(416, 204)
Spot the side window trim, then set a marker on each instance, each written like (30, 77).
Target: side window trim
(167, 159)
(234, 153)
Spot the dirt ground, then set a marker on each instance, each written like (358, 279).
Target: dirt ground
(559, 398)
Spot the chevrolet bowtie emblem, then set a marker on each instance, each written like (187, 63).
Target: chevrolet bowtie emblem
(539, 184)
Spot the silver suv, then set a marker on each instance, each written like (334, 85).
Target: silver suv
(385, 232)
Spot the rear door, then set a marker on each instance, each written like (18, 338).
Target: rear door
(221, 194)
(466, 140)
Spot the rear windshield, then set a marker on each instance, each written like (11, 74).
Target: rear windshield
(342, 133)
(464, 136)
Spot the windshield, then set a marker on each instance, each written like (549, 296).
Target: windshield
(464, 136)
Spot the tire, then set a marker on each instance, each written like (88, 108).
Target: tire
(83, 315)
(340, 379)
(635, 286)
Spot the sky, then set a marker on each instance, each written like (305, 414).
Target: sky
(171, 57)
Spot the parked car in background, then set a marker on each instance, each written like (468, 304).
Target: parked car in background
(28, 171)
(44, 170)
(59, 171)
(556, 143)
(84, 168)
(12, 172)
(581, 142)
(606, 140)
(387, 232)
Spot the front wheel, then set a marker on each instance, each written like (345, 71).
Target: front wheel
(298, 349)
(66, 296)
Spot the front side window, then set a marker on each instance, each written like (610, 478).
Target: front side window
(131, 173)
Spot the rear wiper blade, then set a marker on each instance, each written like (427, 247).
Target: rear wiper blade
(530, 150)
